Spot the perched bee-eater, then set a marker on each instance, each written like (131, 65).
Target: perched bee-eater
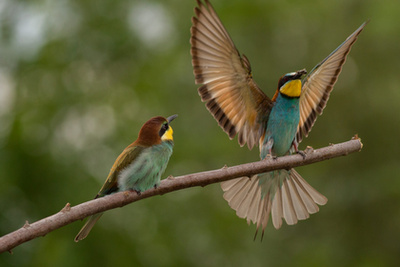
(277, 124)
(140, 166)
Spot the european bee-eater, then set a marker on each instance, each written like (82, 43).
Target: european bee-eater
(140, 166)
(277, 124)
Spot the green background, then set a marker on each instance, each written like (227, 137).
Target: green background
(79, 78)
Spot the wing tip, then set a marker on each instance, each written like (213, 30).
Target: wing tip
(309, 121)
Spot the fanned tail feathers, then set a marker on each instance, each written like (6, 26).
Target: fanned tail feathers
(283, 194)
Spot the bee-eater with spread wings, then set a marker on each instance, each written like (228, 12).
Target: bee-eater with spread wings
(277, 124)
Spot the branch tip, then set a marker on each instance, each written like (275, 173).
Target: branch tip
(66, 208)
(26, 225)
(356, 137)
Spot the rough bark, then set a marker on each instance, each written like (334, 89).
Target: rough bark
(70, 214)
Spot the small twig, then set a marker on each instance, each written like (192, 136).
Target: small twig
(70, 214)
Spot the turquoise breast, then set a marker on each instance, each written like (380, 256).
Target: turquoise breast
(281, 126)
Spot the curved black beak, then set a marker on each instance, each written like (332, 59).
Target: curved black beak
(171, 118)
(299, 73)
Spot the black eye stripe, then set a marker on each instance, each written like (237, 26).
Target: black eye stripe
(283, 81)
(163, 129)
(291, 77)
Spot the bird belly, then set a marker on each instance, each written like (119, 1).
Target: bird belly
(145, 172)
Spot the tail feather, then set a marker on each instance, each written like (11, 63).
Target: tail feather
(242, 190)
(263, 213)
(277, 209)
(232, 187)
(83, 233)
(288, 209)
(243, 195)
(316, 196)
(283, 194)
(298, 204)
(243, 209)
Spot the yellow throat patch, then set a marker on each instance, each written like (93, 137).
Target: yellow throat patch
(291, 88)
(168, 135)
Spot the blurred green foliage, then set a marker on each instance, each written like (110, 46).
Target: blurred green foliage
(79, 78)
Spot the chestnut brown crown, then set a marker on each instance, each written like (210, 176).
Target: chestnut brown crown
(155, 131)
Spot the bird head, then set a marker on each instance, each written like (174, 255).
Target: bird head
(155, 131)
(290, 83)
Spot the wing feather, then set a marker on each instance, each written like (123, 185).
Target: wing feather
(319, 83)
(124, 159)
(230, 93)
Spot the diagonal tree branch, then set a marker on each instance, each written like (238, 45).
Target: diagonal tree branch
(70, 214)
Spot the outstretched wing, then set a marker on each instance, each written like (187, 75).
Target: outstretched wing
(230, 93)
(319, 83)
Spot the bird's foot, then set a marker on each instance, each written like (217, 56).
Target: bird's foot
(301, 153)
(270, 156)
